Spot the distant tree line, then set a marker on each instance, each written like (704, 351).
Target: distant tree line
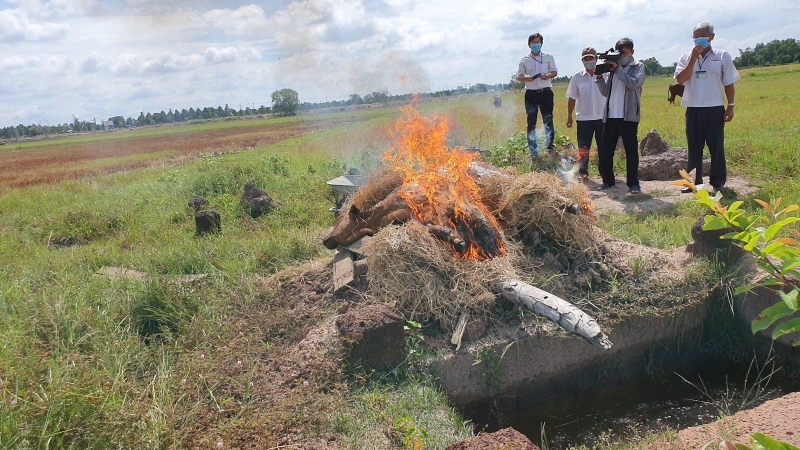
(284, 101)
(377, 98)
(773, 53)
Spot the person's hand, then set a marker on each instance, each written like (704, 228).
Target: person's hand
(544, 76)
(569, 122)
(613, 65)
(696, 51)
(729, 114)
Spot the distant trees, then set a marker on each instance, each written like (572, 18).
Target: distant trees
(355, 99)
(776, 52)
(285, 102)
(653, 67)
(516, 84)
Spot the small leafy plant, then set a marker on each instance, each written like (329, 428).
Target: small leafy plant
(758, 235)
(778, 256)
(758, 441)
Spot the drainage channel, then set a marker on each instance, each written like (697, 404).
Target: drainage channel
(648, 404)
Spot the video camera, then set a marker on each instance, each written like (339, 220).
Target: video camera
(610, 55)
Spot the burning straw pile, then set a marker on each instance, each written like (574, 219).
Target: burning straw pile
(445, 230)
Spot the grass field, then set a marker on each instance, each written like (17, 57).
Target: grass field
(80, 366)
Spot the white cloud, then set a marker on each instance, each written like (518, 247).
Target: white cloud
(215, 55)
(16, 25)
(123, 56)
(247, 20)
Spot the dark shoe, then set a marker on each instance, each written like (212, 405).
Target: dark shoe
(603, 187)
(636, 190)
(686, 191)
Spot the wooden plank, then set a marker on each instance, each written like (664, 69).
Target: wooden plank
(343, 270)
(458, 334)
(357, 246)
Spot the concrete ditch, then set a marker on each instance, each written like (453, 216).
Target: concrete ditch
(543, 367)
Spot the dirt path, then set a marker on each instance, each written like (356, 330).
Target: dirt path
(778, 419)
(655, 196)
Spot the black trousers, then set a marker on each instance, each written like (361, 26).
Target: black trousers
(588, 129)
(536, 100)
(706, 126)
(612, 131)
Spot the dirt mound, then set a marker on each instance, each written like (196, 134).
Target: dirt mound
(778, 419)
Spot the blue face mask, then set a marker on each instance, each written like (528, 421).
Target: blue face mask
(702, 41)
(535, 48)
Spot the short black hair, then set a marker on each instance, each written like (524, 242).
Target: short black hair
(534, 36)
(624, 43)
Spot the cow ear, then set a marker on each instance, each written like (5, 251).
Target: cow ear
(354, 211)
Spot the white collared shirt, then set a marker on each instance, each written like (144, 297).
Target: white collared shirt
(531, 65)
(706, 89)
(589, 102)
(616, 99)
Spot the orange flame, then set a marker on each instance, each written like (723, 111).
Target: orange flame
(437, 187)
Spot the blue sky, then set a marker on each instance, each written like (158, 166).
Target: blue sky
(97, 59)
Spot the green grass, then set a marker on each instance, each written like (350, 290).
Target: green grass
(75, 369)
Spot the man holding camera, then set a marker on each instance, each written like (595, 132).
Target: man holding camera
(623, 92)
(705, 73)
(583, 92)
(536, 69)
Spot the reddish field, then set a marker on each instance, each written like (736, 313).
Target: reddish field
(53, 163)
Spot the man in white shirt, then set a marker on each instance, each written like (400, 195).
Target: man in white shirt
(621, 116)
(583, 92)
(705, 73)
(536, 69)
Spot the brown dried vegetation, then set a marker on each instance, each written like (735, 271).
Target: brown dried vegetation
(53, 163)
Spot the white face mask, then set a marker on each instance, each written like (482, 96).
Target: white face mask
(625, 60)
(589, 65)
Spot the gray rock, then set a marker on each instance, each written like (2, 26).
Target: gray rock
(708, 244)
(666, 166)
(653, 144)
(207, 221)
(475, 329)
(257, 201)
(197, 203)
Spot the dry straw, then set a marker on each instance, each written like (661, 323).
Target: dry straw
(418, 273)
(540, 201)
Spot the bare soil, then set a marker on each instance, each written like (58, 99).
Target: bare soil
(655, 196)
(52, 163)
(778, 419)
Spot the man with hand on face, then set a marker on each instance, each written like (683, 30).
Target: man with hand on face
(583, 92)
(621, 116)
(705, 73)
(536, 69)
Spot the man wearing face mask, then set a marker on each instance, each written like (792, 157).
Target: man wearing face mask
(536, 69)
(621, 116)
(583, 92)
(706, 73)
